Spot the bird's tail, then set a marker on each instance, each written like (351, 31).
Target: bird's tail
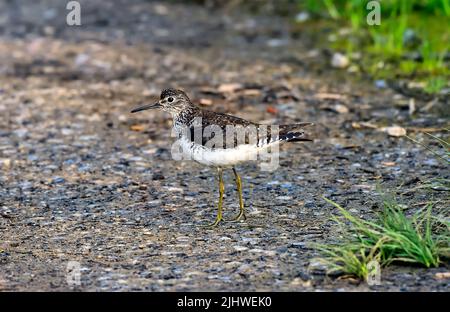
(294, 132)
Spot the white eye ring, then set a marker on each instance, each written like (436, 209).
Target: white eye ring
(170, 99)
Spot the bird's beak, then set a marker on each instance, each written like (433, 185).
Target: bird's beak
(146, 106)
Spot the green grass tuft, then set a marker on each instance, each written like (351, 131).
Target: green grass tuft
(421, 239)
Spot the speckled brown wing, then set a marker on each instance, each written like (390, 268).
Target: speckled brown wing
(212, 119)
(262, 134)
(223, 120)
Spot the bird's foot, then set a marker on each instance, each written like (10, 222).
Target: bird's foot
(214, 224)
(240, 217)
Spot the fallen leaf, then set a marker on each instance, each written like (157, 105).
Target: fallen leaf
(395, 131)
(272, 110)
(299, 282)
(229, 87)
(206, 102)
(442, 275)
(329, 96)
(360, 125)
(340, 108)
(138, 127)
(6, 163)
(251, 92)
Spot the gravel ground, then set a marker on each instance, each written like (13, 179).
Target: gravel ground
(84, 180)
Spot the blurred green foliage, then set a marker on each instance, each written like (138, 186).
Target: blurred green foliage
(412, 40)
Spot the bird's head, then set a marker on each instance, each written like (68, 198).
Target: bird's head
(172, 101)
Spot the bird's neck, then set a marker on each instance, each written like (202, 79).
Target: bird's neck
(185, 116)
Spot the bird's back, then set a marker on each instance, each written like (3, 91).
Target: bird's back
(204, 126)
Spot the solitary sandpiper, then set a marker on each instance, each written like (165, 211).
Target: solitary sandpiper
(221, 140)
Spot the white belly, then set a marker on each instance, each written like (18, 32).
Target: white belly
(221, 157)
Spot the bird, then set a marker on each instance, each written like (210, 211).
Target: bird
(220, 140)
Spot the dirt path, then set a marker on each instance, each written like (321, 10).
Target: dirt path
(83, 180)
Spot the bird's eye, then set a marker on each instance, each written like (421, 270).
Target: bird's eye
(170, 99)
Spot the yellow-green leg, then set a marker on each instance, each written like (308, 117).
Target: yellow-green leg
(219, 216)
(241, 214)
